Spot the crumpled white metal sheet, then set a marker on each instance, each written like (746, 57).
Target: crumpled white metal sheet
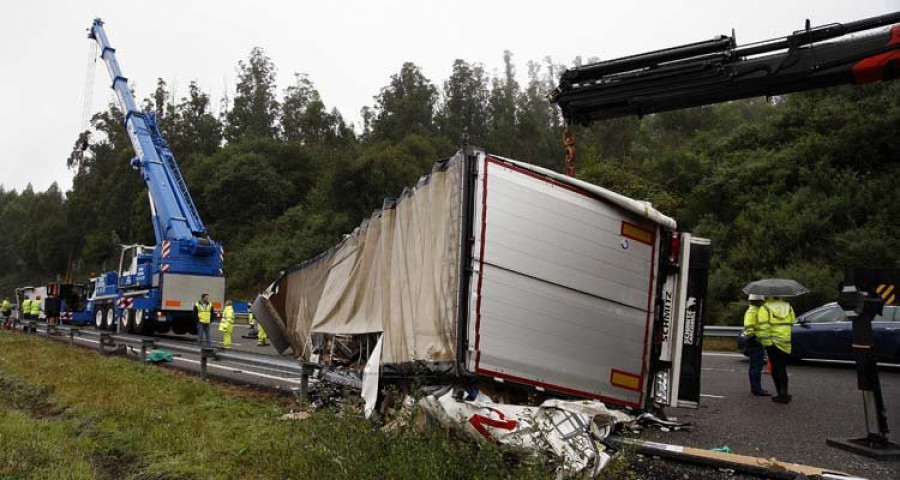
(569, 431)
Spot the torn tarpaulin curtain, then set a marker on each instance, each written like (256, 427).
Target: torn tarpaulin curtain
(397, 273)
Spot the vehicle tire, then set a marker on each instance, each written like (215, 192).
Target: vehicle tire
(99, 317)
(179, 328)
(109, 319)
(162, 328)
(127, 321)
(143, 323)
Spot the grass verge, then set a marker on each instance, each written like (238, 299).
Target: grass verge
(68, 413)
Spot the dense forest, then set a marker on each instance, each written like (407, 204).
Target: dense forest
(797, 186)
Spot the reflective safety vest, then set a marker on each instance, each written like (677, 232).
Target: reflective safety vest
(228, 315)
(5, 306)
(26, 307)
(751, 323)
(35, 307)
(251, 319)
(204, 312)
(778, 316)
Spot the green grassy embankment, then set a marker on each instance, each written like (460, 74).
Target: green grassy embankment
(68, 413)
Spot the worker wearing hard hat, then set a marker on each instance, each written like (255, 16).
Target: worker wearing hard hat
(778, 316)
(753, 335)
(226, 326)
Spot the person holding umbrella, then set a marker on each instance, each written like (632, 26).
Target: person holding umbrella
(777, 316)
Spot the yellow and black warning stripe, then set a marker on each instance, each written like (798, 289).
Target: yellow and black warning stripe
(887, 292)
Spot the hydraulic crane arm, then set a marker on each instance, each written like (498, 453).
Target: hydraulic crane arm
(175, 217)
(718, 70)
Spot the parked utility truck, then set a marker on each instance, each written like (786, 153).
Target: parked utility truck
(155, 287)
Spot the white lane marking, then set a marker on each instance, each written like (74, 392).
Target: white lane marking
(813, 361)
(716, 354)
(711, 396)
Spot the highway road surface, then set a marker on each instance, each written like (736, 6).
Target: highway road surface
(826, 404)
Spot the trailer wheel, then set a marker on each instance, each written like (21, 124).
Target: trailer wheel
(142, 322)
(98, 318)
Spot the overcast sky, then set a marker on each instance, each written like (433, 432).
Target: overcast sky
(348, 48)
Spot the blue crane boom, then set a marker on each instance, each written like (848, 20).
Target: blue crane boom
(175, 216)
(156, 287)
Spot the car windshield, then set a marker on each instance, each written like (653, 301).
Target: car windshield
(829, 314)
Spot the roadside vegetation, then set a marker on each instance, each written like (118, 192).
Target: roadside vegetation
(797, 186)
(68, 413)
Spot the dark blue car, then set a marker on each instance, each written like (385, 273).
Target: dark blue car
(825, 333)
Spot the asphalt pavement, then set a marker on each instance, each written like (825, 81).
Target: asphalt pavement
(826, 404)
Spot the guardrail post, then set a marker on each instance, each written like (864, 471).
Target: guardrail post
(205, 354)
(72, 332)
(306, 370)
(145, 344)
(104, 339)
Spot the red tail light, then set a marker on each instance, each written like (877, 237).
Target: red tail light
(674, 248)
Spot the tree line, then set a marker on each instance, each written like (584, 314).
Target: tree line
(799, 186)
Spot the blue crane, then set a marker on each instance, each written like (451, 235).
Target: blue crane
(156, 287)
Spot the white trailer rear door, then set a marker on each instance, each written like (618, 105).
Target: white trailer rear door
(562, 291)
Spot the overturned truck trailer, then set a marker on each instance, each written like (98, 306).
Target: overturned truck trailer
(498, 270)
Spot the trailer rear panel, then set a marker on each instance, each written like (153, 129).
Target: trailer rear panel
(564, 287)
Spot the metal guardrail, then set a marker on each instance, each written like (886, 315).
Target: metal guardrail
(109, 340)
(719, 331)
(303, 369)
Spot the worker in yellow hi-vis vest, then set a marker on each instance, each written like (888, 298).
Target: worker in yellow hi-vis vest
(226, 326)
(204, 313)
(261, 337)
(25, 309)
(779, 316)
(36, 308)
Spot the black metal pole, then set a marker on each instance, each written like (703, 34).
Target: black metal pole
(861, 307)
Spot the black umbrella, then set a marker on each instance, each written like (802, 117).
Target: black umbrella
(775, 287)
